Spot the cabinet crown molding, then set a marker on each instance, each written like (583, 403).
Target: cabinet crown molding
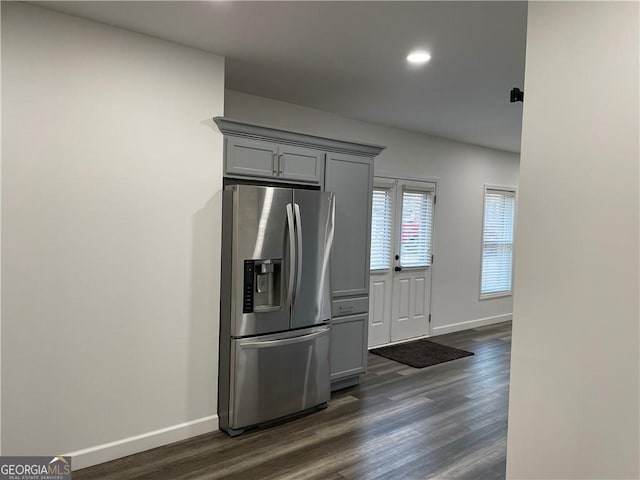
(239, 128)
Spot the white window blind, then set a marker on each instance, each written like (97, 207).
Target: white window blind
(415, 235)
(497, 242)
(381, 229)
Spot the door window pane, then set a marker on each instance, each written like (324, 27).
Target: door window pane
(381, 229)
(415, 235)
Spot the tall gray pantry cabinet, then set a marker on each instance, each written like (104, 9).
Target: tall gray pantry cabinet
(257, 153)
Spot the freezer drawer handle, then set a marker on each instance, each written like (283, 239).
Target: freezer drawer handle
(284, 341)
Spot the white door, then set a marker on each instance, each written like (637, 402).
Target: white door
(401, 256)
(381, 267)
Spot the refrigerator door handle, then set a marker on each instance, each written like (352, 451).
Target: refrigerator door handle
(298, 248)
(331, 225)
(284, 341)
(292, 254)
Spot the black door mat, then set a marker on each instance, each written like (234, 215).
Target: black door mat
(420, 353)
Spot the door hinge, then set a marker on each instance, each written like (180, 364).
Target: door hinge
(431, 259)
(429, 318)
(435, 198)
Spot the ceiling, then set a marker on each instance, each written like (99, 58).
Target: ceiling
(349, 57)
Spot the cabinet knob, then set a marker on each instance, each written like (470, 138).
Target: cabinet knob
(398, 269)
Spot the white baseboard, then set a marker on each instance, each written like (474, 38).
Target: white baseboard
(454, 327)
(480, 322)
(139, 443)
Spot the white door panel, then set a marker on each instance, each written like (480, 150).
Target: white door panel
(419, 284)
(410, 304)
(379, 308)
(403, 298)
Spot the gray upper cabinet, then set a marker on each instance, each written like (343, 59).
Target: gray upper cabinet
(301, 164)
(258, 158)
(350, 177)
(253, 158)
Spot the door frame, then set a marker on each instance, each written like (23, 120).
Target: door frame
(385, 180)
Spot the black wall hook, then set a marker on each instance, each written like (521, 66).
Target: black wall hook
(516, 95)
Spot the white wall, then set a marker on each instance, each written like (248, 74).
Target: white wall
(0, 241)
(462, 170)
(574, 403)
(111, 204)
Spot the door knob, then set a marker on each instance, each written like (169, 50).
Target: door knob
(398, 269)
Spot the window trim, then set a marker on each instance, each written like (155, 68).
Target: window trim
(509, 189)
(418, 187)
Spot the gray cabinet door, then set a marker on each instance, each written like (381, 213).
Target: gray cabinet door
(348, 350)
(302, 164)
(254, 158)
(351, 179)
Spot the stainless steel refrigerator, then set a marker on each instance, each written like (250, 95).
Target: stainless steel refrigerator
(275, 304)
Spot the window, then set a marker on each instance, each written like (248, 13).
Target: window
(381, 229)
(415, 235)
(497, 242)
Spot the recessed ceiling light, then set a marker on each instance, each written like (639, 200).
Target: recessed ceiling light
(418, 57)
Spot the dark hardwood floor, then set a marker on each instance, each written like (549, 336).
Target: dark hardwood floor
(445, 421)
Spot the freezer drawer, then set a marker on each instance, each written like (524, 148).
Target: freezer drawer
(273, 376)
